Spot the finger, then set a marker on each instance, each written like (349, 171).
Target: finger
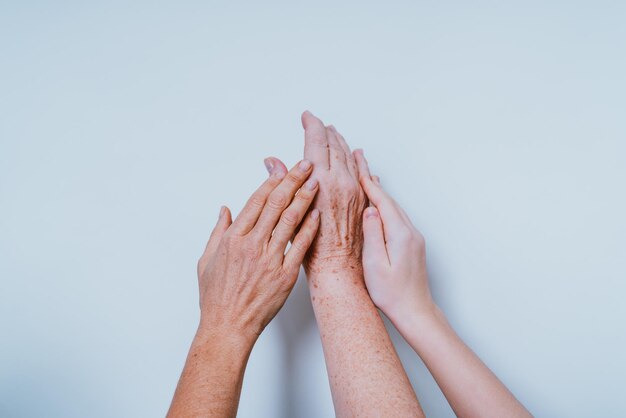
(273, 164)
(249, 215)
(336, 154)
(302, 241)
(292, 216)
(224, 221)
(361, 163)
(281, 197)
(406, 218)
(374, 249)
(315, 141)
(391, 217)
(352, 168)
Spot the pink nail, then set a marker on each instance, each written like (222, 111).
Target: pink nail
(371, 212)
(304, 165)
(269, 164)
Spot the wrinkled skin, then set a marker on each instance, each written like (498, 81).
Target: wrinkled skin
(340, 199)
(244, 274)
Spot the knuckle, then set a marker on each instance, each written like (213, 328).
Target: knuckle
(305, 195)
(364, 179)
(290, 217)
(257, 201)
(277, 201)
(301, 245)
(295, 177)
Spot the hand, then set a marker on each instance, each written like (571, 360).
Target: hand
(244, 274)
(394, 256)
(340, 199)
(394, 264)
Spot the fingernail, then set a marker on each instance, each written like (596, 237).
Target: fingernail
(222, 211)
(304, 165)
(308, 112)
(311, 184)
(332, 128)
(315, 214)
(269, 165)
(371, 212)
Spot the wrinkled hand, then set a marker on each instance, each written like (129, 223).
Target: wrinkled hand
(394, 256)
(244, 274)
(340, 199)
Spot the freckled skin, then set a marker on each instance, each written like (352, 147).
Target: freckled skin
(365, 373)
(244, 277)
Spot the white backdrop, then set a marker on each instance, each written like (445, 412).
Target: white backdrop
(124, 125)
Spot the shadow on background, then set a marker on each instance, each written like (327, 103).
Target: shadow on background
(295, 322)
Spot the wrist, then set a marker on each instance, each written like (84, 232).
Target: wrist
(339, 286)
(334, 264)
(230, 338)
(415, 317)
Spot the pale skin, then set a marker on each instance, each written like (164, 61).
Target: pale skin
(394, 262)
(244, 278)
(365, 373)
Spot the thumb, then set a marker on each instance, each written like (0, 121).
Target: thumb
(374, 248)
(223, 222)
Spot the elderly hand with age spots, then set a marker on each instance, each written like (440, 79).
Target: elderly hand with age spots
(245, 275)
(340, 199)
(365, 373)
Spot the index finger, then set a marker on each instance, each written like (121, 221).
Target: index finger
(315, 141)
(392, 218)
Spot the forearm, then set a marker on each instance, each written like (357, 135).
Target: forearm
(469, 386)
(366, 376)
(210, 384)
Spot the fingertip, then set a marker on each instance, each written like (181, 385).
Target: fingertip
(305, 165)
(269, 165)
(275, 166)
(225, 215)
(315, 214)
(370, 212)
(305, 115)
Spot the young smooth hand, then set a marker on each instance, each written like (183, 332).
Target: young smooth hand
(394, 264)
(394, 255)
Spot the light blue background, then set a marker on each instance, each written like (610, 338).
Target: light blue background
(500, 126)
